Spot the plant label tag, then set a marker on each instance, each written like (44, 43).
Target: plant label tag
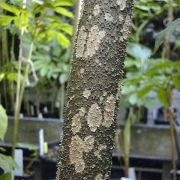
(41, 142)
(19, 160)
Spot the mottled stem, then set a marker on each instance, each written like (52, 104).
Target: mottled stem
(93, 90)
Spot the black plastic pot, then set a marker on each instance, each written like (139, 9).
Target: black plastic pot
(51, 115)
(116, 173)
(48, 166)
(161, 122)
(30, 176)
(8, 150)
(177, 175)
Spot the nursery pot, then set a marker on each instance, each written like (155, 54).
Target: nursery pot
(116, 172)
(48, 166)
(29, 176)
(177, 174)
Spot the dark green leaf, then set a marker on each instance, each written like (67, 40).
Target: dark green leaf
(168, 31)
(64, 3)
(63, 40)
(6, 176)
(11, 8)
(64, 12)
(138, 51)
(3, 122)
(176, 81)
(144, 90)
(7, 163)
(6, 20)
(162, 95)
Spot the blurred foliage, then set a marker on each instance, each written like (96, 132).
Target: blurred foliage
(146, 71)
(7, 164)
(48, 26)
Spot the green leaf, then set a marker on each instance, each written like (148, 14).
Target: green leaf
(11, 8)
(63, 78)
(167, 31)
(64, 12)
(144, 90)
(2, 75)
(138, 51)
(6, 20)
(11, 76)
(133, 99)
(6, 176)
(67, 28)
(162, 96)
(63, 40)
(7, 163)
(176, 81)
(3, 122)
(64, 3)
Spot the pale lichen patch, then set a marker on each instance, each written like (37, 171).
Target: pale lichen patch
(104, 93)
(76, 123)
(97, 10)
(121, 18)
(94, 39)
(101, 99)
(97, 61)
(80, 46)
(122, 4)
(86, 93)
(97, 153)
(109, 111)
(81, 71)
(88, 143)
(126, 27)
(94, 118)
(99, 177)
(76, 153)
(108, 17)
(118, 91)
(82, 111)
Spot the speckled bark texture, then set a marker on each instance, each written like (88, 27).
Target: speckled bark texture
(90, 114)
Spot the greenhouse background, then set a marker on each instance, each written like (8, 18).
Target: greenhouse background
(36, 47)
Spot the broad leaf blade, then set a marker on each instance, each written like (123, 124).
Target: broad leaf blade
(3, 122)
(10, 8)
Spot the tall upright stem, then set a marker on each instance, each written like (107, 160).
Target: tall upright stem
(18, 89)
(172, 135)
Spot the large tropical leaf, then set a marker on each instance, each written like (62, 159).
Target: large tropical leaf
(3, 122)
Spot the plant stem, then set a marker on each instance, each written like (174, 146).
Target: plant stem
(127, 141)
(166, 48)
(172, 135)
(62, 101)
(20, 90)
(17, 107)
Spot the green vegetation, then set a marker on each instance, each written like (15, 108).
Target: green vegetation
(150, 65)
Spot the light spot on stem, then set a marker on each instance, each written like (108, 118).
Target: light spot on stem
(76, 153)
(80, 46)
(109, 111)
(122, 4)
(126, 27)
(88, 143)
(76, 123)
(108, 17)
(94, 39)
(97, 10)
(99, 177)
(86, 93)
(94, 118)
